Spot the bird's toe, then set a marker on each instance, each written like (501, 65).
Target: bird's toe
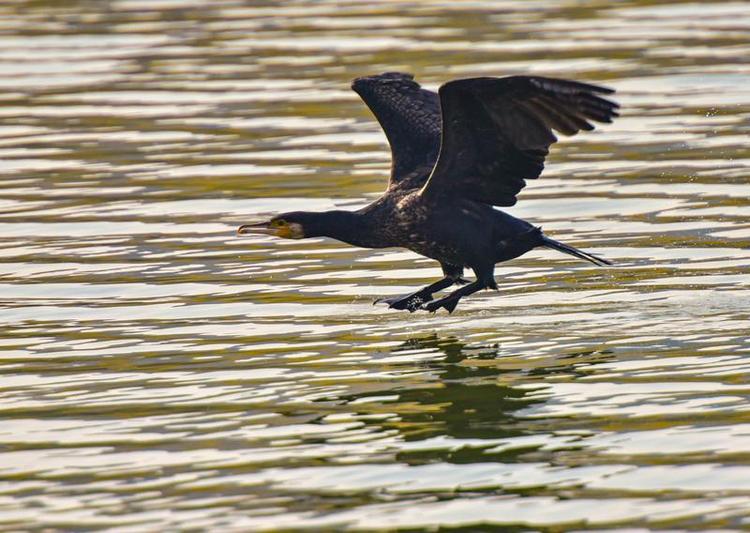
(409, 303)
(447, 303)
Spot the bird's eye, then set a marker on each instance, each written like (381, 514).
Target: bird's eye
(278, 223)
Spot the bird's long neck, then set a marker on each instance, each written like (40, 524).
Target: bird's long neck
(347, 226)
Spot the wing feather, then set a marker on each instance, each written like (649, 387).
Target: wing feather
(410, 118)
(497, 132)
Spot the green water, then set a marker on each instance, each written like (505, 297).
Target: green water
(161, 373)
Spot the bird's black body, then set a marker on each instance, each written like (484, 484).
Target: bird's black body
(457, 154)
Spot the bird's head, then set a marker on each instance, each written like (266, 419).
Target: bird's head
(346, 226)
(294, 225)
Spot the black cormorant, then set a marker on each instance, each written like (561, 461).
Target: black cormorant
(455, 155)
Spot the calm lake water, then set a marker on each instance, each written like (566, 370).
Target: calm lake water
(161, 373)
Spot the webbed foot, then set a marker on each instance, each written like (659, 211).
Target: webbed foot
(448, 303)
(410, 302)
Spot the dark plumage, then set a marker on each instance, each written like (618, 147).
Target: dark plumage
(455, 154)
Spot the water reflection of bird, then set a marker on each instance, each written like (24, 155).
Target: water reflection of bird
(459, 393)
(455, 154)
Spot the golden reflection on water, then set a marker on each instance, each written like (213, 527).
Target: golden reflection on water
(159, 372)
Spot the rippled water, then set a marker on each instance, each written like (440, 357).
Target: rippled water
(159, 372)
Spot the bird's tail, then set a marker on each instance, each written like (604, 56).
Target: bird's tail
(575, 252)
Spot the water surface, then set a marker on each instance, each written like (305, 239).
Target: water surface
(159, 372)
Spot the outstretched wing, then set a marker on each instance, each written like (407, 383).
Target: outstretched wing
(410, 118)
(497, 132)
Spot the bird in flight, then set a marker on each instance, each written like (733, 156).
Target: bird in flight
(456, 154)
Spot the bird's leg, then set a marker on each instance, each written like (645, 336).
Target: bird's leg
(485, 279)
(413, 301)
